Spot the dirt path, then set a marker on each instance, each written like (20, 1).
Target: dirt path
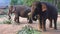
(12, 29)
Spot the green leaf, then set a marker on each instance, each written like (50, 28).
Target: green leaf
(28, 30)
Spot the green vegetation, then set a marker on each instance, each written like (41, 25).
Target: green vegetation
(14, 2)
(29, 2)
(7, 22)
(28, 30)
(22, 2)
(5, 19)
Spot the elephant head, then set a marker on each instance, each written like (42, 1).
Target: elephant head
(37, 8)
(34, 10)
(11, 10)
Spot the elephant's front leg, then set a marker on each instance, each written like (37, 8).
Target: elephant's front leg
(55, 24)
(40, 22)
(50, 23)
(16, 19)
(29, 20)
(44, 24)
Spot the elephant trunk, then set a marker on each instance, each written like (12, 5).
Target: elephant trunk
(9, 17)
(33, 16)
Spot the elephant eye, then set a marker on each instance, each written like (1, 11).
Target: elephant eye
(44, 8)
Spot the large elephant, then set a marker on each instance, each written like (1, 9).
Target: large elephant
(21, 11)
(45, 11)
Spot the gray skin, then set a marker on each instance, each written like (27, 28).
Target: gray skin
(51, 13)
(21, 11)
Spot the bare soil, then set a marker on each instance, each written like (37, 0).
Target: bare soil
(13, 28)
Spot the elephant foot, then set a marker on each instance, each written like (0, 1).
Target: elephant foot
(50, 27)
(30, 22)
(41, 30)
(17, 23)
(44, 30)
(41, 27)
(55, 28)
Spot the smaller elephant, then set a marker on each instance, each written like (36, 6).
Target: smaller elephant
(21, 11)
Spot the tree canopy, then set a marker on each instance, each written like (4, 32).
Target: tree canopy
(22, 2)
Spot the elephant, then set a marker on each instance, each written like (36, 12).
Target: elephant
(21, 11)
(45, 11)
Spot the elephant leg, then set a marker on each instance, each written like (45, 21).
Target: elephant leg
(50, 23)
(15, 19)
(40, 25)
(55, 23)
(44, 24)
(29, 20)
(40, 22)
(18, 19)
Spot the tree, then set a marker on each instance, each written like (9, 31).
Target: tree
(13, 2)
(29, 2)
(20, 2)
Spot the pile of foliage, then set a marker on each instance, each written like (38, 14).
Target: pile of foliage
(5, 19)
(28, 30)
(7, 22)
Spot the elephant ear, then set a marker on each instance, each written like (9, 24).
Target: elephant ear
(44, 7)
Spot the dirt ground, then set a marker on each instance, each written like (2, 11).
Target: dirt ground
(13, 28)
